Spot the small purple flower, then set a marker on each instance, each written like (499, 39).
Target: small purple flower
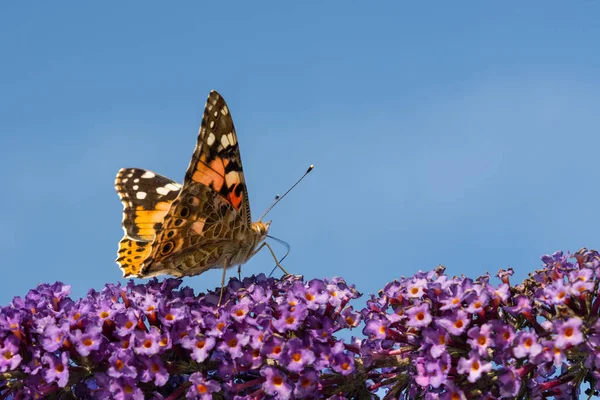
(453, 299)
(455, 324)
(430, 372)
(479, 338)
(240, 310)
(473, 366)
(54, 336)
(147, 343)
(477, 303)
(122, 364)
(290, 320)
(349, 318)
(510, 383)
(376, 329)
(106, 310)
(343, 363)
(307, 384)
(154, 371)
(172, 313)
(557, 293)
(125, 389)
(273, 347)
(569, 333)
(201, 388)
(315, 294)
(58, 369)
(75, 314)
(419, 316)
(200, 346)
(527, 344)
(88, 341)
(416, 288)
(126, 323)
(297, 356)
(276, 383)
(452, 392)
(556, 354)
(233, 343)
(437, 339)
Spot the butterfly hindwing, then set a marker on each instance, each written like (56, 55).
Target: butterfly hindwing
(131, 255)
(213, 204)
(194, 234)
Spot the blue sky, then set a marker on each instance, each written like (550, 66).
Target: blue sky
(461, 134)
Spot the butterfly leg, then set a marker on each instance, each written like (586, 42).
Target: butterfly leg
(273, 254)
(225, 266)
(240, 272)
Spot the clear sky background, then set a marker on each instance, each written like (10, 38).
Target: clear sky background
(465, 134)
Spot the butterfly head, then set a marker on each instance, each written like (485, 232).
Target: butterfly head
(261, 229)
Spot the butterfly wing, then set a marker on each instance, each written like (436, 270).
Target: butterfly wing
(212, 209)
(146, 199)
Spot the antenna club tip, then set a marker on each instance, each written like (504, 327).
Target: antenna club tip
(310, 168)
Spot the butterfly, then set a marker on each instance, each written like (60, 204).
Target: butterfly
(185, 230)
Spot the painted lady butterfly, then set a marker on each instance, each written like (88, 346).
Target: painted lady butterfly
(184, 230)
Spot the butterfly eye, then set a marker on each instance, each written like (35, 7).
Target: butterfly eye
(166, 248)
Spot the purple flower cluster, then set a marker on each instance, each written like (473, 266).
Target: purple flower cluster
(435, 337)
(268, 339)
(426, 337)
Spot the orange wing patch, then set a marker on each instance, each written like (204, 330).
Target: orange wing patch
(146, 220)
(212, 175)
(131, 255)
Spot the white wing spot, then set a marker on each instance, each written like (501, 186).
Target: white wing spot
(136, 180)
(173, 186)
(140, 195)
(212, 124)
(224, 110)
(211, 139)
(124, 180)
(231, 137)
(135, 187)
(215, 114)
(148, 175)
(224, 141)
(129, 175)
(162, 190)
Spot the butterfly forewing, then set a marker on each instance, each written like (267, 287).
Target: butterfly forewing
(146, 199)
(216, 161)
(212, 210)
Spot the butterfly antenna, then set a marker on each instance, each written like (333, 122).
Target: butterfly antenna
(287, 246)
(278, 198)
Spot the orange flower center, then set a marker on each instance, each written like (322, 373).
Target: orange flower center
(202, 389)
